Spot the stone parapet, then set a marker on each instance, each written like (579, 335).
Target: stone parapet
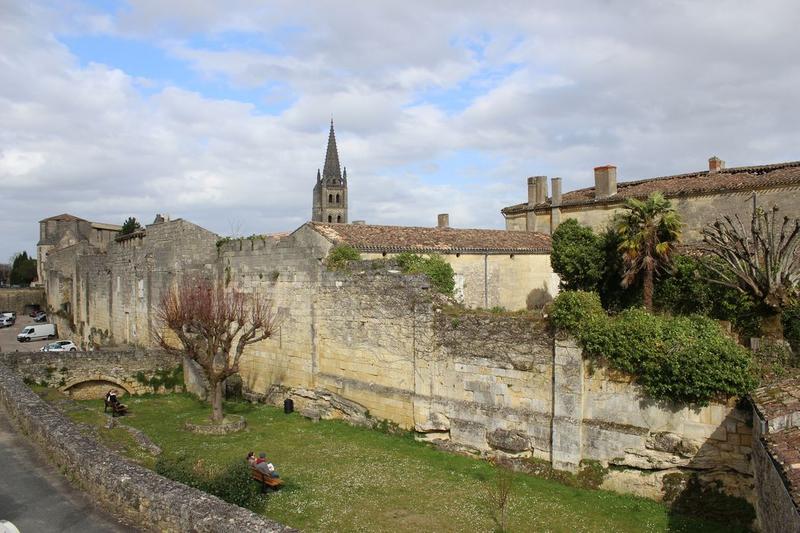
(132, 492)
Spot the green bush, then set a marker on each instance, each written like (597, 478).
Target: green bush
(687, 290)
(791, 326)
(687, 359)
(577, 256)
(231, 482)
(437, 269)
(340, 255)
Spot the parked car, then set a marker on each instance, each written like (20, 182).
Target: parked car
(7, 321)
(41, 316)
(35, 312)
(12, 314)
(36, 332)
(59, 346)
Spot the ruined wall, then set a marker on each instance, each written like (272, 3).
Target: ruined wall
(111, 293)
(695, 211)
(510, 281)
(21, 300)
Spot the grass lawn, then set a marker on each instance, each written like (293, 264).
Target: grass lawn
(344, 478)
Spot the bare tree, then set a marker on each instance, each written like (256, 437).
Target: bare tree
(213, 327)
(762, 262)
(498, 495)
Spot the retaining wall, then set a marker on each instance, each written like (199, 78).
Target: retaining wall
(136, 494)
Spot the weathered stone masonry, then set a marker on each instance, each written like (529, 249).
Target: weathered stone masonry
(139, 495)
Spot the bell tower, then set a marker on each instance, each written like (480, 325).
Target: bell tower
(330, 191)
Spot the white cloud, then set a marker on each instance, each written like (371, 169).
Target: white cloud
(543, 87)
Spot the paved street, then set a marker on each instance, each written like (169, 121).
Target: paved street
(8, 337)
(37, 498)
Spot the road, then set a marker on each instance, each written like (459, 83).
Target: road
(36, 498)
(8, 337)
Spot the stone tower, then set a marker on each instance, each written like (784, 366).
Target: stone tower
(330, 192)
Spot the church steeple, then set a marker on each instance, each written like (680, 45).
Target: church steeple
(331, 170)
(330, 191)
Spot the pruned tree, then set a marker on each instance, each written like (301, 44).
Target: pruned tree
(762, 262)
(212, 326)
(648, 230)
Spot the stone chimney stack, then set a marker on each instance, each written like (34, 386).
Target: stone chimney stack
(715, 164)
(531, 192)
(556, 183)
(541, 189)
(443, 220)
(605, 181)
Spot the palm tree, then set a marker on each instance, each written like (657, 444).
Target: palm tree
(648, 231)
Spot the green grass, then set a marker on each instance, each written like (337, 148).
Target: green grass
(344, 478)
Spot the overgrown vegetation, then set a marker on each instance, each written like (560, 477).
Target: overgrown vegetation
(340, 255)
(230, 481)
(130, 225)
(687, 359)
(169, 379)
(577, 256)
(437, 269)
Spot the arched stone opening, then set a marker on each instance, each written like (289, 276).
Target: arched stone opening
(94, 388)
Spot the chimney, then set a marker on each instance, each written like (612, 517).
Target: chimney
(541, 189)
(556, 200)
(715, 164)
(531, 192)
(605, 181)
(443, 220)
(359, 222)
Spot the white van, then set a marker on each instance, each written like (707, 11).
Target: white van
(36, 332)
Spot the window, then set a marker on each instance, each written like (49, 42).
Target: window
(330, 198)
(330, 218)
(338, 218)
(337, 198)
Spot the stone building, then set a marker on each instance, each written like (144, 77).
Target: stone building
(493, 268)
(699, 197)
(65, 230)
(330, 191)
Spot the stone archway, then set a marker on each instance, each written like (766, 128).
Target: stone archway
(95, 387)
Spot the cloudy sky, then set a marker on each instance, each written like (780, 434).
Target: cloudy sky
(218, 111)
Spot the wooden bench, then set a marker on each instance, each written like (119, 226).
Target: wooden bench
(117, 408)
(266, 480)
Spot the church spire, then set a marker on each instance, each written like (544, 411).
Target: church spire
(331, 170)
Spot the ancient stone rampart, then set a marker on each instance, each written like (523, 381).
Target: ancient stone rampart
(134, 493)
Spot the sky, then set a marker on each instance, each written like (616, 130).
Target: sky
(218, 112)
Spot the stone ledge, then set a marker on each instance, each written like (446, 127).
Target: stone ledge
(130, 491)
(235, 424)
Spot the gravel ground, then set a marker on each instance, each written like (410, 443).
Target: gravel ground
(8, 337)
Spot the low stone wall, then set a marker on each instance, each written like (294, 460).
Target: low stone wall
(136, 494)
(87, 375)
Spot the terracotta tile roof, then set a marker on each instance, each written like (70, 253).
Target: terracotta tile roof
(695, 183)
(369, 238)
(778, 398)
(784, 447)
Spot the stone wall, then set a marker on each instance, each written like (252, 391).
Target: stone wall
(132, 492)
(107, 297)
(510, 281)
(21, 301)
(85, 375)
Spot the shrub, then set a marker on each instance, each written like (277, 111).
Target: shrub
(437, 269)
(791, 326)
(231, 482)
(340, 255)
(687, 359)
(577, 256)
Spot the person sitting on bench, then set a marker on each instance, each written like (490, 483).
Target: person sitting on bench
(262, 465)
(113, 402)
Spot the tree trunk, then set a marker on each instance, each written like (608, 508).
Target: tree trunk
(647, 289)
(772, 326)
(216, 403)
